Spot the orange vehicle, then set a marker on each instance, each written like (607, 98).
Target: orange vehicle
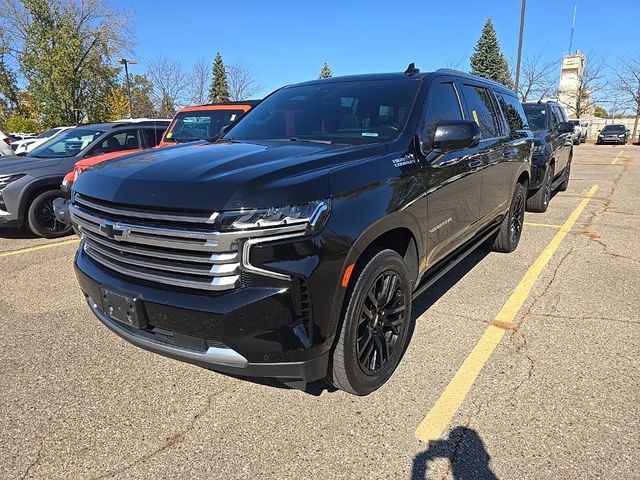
(203, 122)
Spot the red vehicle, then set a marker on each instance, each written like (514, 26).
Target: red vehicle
(204, 121)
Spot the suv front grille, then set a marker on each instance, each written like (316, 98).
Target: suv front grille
(173, 249)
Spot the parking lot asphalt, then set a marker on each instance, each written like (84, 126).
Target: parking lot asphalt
(554, 394)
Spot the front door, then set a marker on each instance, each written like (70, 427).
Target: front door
(452, 179)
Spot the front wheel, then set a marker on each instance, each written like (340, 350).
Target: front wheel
(42, 219)
(376, 329)
(508, 237)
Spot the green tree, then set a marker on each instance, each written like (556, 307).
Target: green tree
(65, 50)
(600, 112)
(325, 71)
(141, 88)
(487, 60)
(18, 123)
(118, 103)
(219, 91)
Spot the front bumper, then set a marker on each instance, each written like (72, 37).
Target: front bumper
(256, 330)
(610, 140)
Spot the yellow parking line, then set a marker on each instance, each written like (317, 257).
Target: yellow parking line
(550, 225)
(433, 425)
(38, 247)
(613, 162)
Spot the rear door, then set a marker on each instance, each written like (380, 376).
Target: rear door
(452, 179)
(494, 147)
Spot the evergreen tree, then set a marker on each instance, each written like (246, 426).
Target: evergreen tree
(219, 91)
(487, 59)
(325, 71)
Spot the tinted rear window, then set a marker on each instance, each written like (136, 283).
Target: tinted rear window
(200, 125)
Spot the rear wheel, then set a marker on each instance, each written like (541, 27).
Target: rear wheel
(376, 328)
(41, 217)
(539, 201)
(508, 237)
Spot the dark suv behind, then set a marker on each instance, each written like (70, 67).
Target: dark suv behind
(292, 247)
(29, 184)
(552, 152)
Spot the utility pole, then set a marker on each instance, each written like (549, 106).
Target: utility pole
(522, 10)
(126, 63)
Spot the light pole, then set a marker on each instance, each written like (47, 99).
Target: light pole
(126, 63)
(524, 7)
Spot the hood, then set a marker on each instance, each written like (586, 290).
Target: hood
(222, 176)
(16, 164)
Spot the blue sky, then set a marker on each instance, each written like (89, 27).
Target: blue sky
(287, 41)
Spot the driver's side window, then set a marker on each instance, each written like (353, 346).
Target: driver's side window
(123, 140)
(443, 105)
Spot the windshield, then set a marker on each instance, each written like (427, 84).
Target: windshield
(614, 128)
(341, 112)
(536, 116)
(67, 144)
(200, 125)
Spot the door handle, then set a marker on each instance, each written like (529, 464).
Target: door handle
(474, 163)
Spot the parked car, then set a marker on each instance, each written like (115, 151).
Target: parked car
(292, 246)
(203, 122)
(585, 124)
(30, 184)
(5, 145)
(552, 152)
(24, 146)
(617, 134)
(578, 133)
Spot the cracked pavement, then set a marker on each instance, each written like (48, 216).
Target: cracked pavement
(558, 398)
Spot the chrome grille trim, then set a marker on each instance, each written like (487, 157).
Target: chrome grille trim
(145, 214)
(182, 251)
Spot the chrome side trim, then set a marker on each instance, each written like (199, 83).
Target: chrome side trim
(213, 355)
(246, 251)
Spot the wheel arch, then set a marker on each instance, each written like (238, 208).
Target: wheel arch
(34, 189)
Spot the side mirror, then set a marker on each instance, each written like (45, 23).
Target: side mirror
(566, 127)
(456, 135)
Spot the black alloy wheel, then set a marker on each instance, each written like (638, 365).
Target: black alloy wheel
(381, 323)
(376, 326)
(517, 218)
(42, 219)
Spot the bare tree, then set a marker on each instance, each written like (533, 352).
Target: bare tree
(581, 98)
(538, 78)
(242, 82)
(200, 81)
(170, 85)
(628, 85)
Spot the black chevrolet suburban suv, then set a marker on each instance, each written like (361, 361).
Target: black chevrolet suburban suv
(552, 152)
(292, 246)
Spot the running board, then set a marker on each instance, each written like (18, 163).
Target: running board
(459, 254)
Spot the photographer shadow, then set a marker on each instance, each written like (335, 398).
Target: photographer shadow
(465, 450)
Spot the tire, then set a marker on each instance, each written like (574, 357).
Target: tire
(41, 218)
(567, 173)
(539, 201)
(508, 237)
(358, 364)
(576, 142)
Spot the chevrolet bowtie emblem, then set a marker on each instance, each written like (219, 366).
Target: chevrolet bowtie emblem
(111, 230)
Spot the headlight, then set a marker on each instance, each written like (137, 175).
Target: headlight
(7, 179)
(621, 135)
(310, 215)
